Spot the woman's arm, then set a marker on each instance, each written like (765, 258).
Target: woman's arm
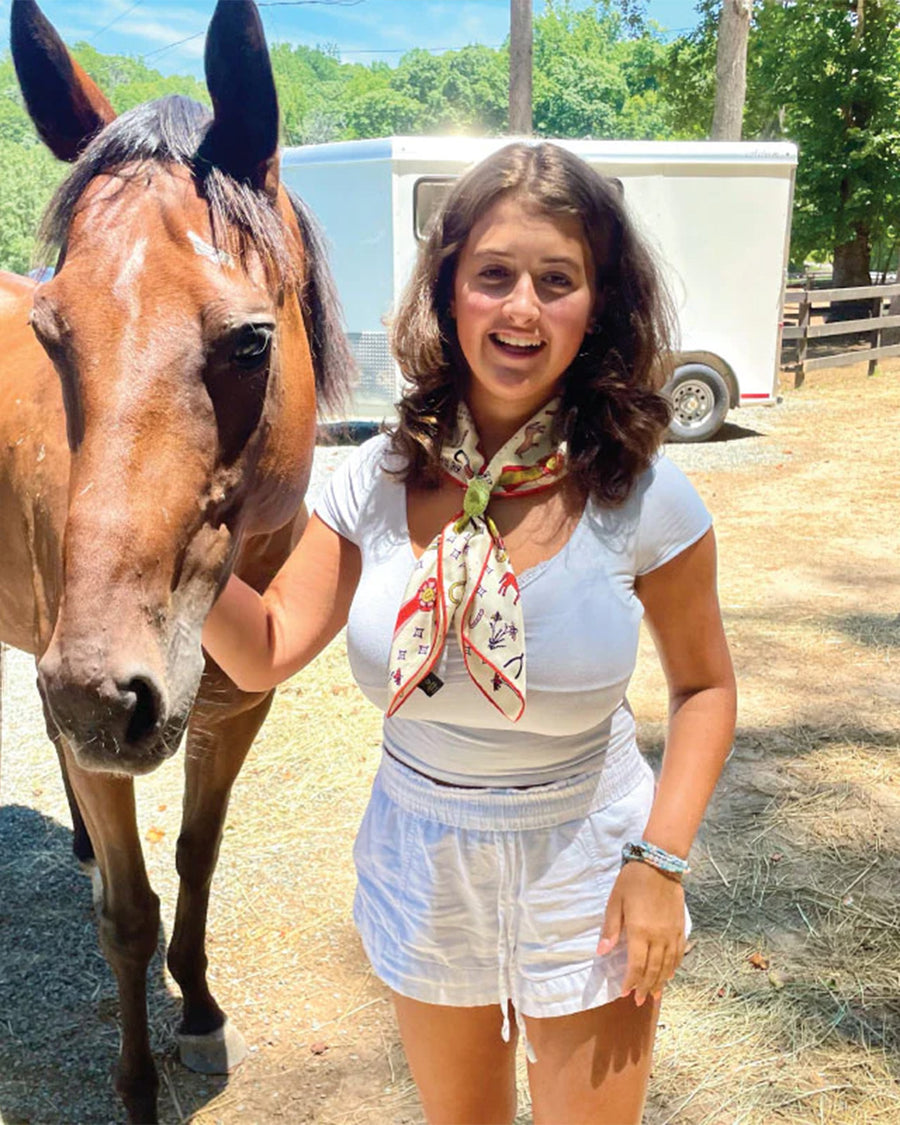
(681, 607)
(261, 639)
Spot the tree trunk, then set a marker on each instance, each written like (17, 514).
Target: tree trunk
(851, 260)
(731, 69)
(521, 42)
(851, 267)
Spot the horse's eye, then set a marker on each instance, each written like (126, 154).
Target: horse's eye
(252, 346)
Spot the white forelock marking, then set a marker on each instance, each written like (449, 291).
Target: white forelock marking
(220, 257)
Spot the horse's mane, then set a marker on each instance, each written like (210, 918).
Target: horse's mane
(169, 131)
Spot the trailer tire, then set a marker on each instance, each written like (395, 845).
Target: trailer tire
(700, 401)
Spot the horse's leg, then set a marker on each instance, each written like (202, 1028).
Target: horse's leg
(128, 923)
(81, 841)
(216, 748)
(2, 651)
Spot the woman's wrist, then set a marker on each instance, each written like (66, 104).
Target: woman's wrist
(642, 851)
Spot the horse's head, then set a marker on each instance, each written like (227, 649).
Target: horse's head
(190, 324)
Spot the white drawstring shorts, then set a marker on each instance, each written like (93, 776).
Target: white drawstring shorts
(469, 897)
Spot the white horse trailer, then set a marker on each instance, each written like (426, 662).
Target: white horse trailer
(717, 215)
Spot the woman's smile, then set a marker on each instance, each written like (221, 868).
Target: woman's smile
(517, 346)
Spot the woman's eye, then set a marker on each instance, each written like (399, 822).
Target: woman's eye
(253, 345)
(493, 273)
(558, 280)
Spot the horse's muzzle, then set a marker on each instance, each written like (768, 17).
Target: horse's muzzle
(115, 722)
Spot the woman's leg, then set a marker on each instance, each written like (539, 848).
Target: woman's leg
(592, 1066)
(465, 1073)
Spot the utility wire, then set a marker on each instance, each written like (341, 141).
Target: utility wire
(169, 46)
(259, 4)
(337, 4)
(406, 50)
(115, 19)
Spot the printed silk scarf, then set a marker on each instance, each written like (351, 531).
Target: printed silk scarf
(464, 576)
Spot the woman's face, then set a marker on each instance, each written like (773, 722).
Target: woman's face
(523, 297)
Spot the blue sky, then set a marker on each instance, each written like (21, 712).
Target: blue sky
(168, 34)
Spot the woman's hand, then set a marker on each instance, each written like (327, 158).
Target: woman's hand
(649, 905)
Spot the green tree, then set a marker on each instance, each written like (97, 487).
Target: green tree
(464, 90)
(310, 83)
(28, 177)
(825, 74)
(828, 77)
(595, 72)
(128, 82)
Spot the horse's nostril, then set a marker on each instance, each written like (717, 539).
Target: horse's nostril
(142, 700)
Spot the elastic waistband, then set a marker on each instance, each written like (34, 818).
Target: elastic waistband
(503, 810)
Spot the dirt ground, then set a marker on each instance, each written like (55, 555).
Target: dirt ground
(787, 1008)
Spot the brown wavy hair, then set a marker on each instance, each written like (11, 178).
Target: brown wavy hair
(613, 416)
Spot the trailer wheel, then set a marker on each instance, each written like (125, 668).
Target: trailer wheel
(700, 401)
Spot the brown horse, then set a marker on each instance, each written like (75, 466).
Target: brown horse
(157, 422)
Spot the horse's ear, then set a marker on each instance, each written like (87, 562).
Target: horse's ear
(66, 106)
(243, 137)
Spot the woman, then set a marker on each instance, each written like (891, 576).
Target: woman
(515, 851)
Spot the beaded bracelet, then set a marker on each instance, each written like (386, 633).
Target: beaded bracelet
(656, 857)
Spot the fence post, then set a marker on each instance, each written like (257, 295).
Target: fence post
(878, 311)
(803, 312)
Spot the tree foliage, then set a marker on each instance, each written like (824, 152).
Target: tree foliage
(595, 73)
(825, 74)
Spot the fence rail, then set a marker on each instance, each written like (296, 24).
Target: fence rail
(811, 302)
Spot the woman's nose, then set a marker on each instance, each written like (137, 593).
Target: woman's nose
(522, 304)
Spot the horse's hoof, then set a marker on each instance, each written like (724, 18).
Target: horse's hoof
(218, 1052)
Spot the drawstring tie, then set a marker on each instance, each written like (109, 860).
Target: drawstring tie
(506, 983)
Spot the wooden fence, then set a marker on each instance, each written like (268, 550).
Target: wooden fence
(811, 302)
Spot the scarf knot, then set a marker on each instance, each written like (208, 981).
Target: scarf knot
(478, 493)
(464, 577)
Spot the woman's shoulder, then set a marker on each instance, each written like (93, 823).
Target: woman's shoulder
(671, 515)
(662, 515)
(664, 479)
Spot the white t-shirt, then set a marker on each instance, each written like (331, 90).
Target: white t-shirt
(581, 615)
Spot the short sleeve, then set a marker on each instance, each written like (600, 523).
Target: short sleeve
(345, 496)
(672, 516)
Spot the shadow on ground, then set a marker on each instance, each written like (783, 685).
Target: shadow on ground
(58, 1002)
(730, 431)
(874, 630)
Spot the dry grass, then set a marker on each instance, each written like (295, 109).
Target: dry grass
(795, 868)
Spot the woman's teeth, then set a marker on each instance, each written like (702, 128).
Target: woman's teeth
(517, 342)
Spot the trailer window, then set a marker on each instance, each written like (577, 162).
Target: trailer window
(428, 197)
(430, 192)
